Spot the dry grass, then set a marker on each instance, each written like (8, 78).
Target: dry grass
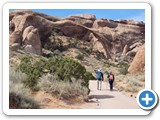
(130, 83)
(62, 89)
(19, 96)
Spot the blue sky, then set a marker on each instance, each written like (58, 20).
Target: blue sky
(114, 14)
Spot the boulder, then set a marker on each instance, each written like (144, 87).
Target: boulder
(29, 49)
(15, 37)
(138, 63)
(15, 46)
(31, 37)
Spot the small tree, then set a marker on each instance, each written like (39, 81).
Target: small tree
(32, 69)
(80, 56)
(124, 70)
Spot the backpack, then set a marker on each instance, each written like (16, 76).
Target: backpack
(111, 77)
(98, 75)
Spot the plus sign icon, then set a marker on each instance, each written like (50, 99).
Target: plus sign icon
(147, 99)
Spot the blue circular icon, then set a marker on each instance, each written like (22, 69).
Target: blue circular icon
(147, 99)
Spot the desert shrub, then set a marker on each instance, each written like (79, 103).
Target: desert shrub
(135, 82)
(106, 72)
(133, 86)
(80, 56)
(89, 76)
(122, 63)
(49, 47)
(32, 69)
(89, 49)
(17, 77)
(98, 57)
(109, 64)
(74, 42)
(64, 69)
(131, 82)
(55, 43)
(62, 89)
(140, 77)
(19, 95)
(123, 68)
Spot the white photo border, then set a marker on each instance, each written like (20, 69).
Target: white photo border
(104, 5)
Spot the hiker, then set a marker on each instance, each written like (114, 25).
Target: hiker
(110, 80)
(99, 77)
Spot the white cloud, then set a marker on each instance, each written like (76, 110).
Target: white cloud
(140, 17)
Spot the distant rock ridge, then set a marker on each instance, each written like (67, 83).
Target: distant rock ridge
(83, 16)
(110, 37)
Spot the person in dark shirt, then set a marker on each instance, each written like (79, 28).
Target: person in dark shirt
(110, 80)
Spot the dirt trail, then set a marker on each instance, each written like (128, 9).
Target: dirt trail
(106, 99)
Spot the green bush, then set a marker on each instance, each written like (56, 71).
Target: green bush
(75, 42)
(32, 69)
(80, 56)
(55, 43)
(89, 76)
(109, 64)
(89, 49)
(123, 68)
(64, 69)
(106, 72)
(121, 64)
(98, 58)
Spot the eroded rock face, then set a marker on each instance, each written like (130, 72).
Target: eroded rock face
(15, 37)
(31, 37)
(107, 36)
(71, 29)
(104, 23)
(83, 19)
(21, 30)
(84, 16)
(138, 64)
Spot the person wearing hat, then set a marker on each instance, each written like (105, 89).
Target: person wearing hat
(110, 80)
(99, 77)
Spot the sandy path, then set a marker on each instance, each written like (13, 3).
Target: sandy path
(106, 99)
